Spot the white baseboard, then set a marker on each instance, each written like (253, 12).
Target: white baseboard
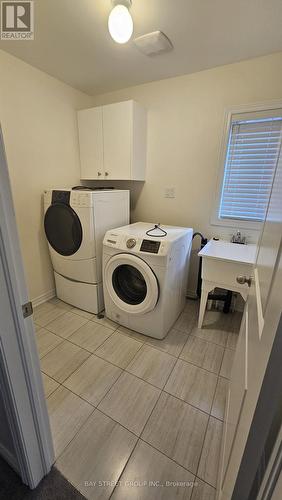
(44, 297)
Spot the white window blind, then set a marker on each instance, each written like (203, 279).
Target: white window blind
(252, 154)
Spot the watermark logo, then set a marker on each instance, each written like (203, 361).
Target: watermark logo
(17, 20)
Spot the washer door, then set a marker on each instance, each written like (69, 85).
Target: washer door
(63, 229)
(131, 284)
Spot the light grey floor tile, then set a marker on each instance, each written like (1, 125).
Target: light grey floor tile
(147, 465)
(37, 327)
(66, 325)
(132, 334)
(218, 337)
(130, 402)
(90, 336)
(105, 322)
(232, 340)
(208, 467)
(59, 303)
(192, 307)
(185, 322)
(83, 314)
(177, 429)
(63, 361)
(45, 313)
(152, 365)
(46, 341)
(93, 379)
(218, 320)
(67, 413)
(172, 343)
(218, 407)
(203, 491)
(192, 384)
(98, 453)
(203, 354)
(119, 349)
(49, 384)
(227, 363)
(236, 321)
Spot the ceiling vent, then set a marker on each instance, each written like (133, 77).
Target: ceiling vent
(153, 43)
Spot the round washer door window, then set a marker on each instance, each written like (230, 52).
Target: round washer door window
(131, 284)
(63, 229)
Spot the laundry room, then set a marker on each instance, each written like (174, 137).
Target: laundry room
(140, 169)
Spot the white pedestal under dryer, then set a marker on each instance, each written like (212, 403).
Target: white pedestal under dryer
(145, 276)
(75, 223)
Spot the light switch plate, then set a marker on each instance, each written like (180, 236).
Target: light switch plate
(169, 192)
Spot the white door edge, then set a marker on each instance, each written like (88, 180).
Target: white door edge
(23, 391)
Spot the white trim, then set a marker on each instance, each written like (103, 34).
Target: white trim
(22, 381)
(43, 297)
(229, 111)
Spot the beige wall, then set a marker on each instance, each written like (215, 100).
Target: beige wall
(185, 127)
(38, 118)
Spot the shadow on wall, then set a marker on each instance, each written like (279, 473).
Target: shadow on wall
(135, 188)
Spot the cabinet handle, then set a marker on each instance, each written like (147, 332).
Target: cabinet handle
(99, 173)
(106, 174)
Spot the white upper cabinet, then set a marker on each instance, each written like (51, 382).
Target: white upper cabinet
(113, 141)
(90, 129)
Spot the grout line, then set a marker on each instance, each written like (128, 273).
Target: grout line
(67, 339)
(80, 428)
(167, 456)
(139, 438)
(124, 370)
(52, 349)
(140, 341)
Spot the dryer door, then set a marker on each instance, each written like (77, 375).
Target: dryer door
(63, 229)
(131, 284)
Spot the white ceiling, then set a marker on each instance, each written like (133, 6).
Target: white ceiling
(72, 41)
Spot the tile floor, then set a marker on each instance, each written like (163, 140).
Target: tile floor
(127, 411)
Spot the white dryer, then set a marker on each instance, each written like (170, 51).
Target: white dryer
(145, 276)
(75, 222)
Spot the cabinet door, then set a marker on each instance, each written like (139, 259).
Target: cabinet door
(90, 129)
(117, 127)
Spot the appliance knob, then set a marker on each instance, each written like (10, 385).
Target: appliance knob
(131, 243)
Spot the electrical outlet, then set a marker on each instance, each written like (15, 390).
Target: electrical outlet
(169, 192)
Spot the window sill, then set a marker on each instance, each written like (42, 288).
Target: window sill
(235, 223)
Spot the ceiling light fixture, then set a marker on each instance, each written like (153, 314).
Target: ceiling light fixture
(120, 22)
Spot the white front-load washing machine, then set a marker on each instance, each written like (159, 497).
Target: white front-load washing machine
(145, 275)
(75, 222)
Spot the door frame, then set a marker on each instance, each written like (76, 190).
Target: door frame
(21, 381)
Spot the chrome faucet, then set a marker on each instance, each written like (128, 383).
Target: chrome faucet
(238, 238)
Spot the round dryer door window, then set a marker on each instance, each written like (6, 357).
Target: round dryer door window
(63, 229)
(131, 283)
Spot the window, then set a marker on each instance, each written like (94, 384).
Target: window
(253, 148)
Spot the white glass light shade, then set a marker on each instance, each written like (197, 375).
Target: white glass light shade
(120, 24)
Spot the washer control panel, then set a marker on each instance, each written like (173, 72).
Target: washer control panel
(131, 242)
(150, 246)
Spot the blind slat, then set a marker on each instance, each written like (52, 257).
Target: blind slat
(250, 164)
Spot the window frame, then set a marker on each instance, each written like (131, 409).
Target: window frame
(247, 109)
